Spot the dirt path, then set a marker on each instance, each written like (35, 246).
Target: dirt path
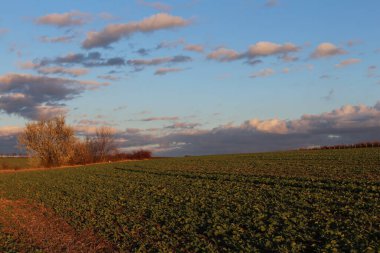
(36, 225)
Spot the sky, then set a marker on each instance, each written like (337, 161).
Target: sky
(194, 77)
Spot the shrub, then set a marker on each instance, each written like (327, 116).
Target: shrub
(50, 141)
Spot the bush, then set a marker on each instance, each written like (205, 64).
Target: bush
(49, 141)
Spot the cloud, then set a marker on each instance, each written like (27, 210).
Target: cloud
(346, 125)
(59, 39)
(164, 71)
(10, 130)
(170, 44)
(183, 125)
(94, 122)
(109, 77)
(265, 48)
(195, 48)
(156, 5)
(92, 59)
(165, 118)
(140, 63)
(223, 54)
(372, 71)
(347, 62)
(351, 123)
(143, 51)
(263, 73)
(3, 31)
(35, 97)
(73, 18)
(329, 96)
(120, 108)
(271, 3)
(74, 72)
(352, 43)
(260, 49)
(114, 32)
(327, 50)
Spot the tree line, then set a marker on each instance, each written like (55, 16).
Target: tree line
(52, 143)
(373, 144)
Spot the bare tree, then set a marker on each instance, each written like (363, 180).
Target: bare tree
(102, 144)
(50, 141)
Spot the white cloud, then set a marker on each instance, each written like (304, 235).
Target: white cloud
(327, 50)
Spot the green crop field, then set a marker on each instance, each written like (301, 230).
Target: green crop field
(13, 163)
(297, 201)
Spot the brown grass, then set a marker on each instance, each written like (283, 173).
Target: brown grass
(36, 225)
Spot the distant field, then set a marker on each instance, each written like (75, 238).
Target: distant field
(299, 201)
(13, 163)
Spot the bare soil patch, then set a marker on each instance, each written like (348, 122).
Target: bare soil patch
(34, 224)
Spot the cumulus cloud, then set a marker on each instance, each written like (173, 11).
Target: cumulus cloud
(327, 50)
(260, 49)
(73, 18)
(347, 62)
(263, 73)
(194, 47)
(265, 48)
(223, 54)
(351, 123)
(35, 97)
(164, 71)
(114, 32)
(346, 125)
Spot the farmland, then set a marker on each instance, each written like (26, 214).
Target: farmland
(296, 201)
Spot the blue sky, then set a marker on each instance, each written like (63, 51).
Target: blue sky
(174, 75)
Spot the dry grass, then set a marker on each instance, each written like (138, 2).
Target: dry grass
(33, 224)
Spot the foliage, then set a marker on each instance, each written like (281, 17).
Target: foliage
(50, 141)
(135, 155)
(299, 201)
